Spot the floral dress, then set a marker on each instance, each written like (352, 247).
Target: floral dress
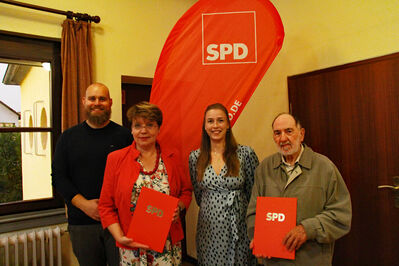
(172, 254)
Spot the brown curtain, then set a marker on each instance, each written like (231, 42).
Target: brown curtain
(76, 60)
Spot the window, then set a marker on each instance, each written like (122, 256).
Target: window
(30, 119)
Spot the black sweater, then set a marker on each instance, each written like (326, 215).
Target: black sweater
(79, 163)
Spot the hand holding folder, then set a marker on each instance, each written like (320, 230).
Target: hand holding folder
(294, 239)
(131, 243)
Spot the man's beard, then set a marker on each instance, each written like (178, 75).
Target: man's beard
(98, 120)
(295, 147)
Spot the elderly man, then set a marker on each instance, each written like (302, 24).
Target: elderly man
(78, 170)
(324, 210)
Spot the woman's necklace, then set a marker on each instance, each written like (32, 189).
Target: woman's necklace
(150, 173)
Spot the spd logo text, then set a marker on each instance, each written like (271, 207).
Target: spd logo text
(275, 217)
(154, 211)
(229, 38)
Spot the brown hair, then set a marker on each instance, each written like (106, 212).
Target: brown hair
(230, 152)
(145, 110)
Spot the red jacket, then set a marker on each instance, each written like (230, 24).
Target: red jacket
(121, 173)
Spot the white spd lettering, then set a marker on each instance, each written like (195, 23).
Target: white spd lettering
(239, 50)
(153, 210)
(272, 216)
(234, 109)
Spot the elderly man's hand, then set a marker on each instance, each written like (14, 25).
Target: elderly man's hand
(295, 238)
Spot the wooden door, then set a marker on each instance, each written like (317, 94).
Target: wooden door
(134, 90)
(351, 115)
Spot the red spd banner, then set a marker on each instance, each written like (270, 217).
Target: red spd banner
(217, 52)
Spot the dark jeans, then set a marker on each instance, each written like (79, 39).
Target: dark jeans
(93, 246)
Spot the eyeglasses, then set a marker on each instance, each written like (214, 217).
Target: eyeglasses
(148, 126)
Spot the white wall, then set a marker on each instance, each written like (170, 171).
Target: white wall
(7, 116)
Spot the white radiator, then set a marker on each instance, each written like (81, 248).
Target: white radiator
(35, 247)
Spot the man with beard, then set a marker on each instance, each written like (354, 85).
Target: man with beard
(77, 173)
(324, 210)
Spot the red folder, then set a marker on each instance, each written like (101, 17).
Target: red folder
(152, 218)
(275, 217)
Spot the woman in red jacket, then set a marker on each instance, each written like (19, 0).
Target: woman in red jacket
(143, 164)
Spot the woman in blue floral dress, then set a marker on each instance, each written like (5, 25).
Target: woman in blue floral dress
(222, 174)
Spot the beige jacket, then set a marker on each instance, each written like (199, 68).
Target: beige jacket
(324, 205)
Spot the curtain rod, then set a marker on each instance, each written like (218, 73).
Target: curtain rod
(69, 14)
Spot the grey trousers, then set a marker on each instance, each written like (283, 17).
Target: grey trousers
(93, 246)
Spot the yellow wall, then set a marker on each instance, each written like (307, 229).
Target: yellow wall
(319, 34)
(36, 151)
(127, 41)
